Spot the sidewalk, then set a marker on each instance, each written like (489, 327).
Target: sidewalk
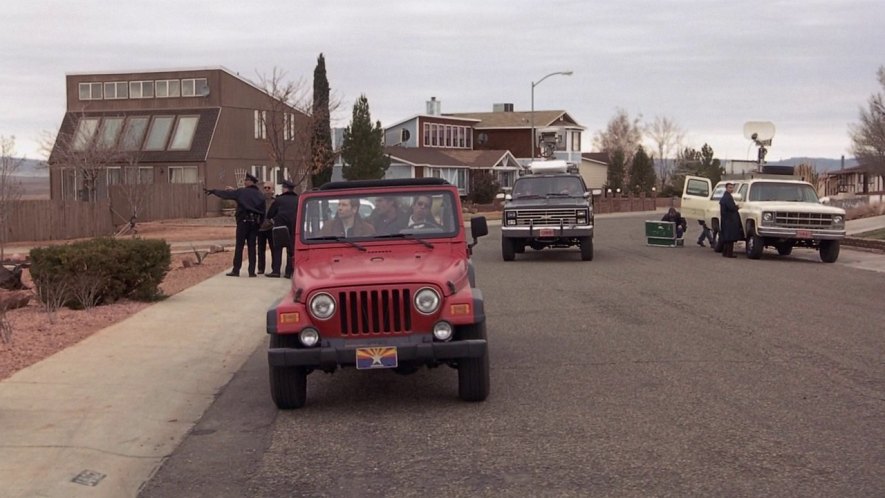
(113, 406)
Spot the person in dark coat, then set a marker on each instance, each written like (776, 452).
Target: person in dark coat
(729, 222)
(249, 216)
(264, 233)
(283, 211)
(675, 217)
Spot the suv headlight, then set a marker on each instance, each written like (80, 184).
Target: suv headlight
(427, 300)
(767, 217)
(838, 219)
(582, 215)
(322, 306)
(510, 218)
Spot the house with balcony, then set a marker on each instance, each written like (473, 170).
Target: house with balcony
(199, 126)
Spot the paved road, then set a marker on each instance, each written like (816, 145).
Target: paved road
(648, 371)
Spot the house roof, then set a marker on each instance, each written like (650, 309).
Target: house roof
(199, 145)
(599, 157)
(521, 119)
(450, 158)
(847, 171)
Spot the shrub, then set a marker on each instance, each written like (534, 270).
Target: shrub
(483, 187)
(103, 270)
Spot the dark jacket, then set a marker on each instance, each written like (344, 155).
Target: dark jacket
(676, 218)
(283, 210)
(729, 219)
(249, 200)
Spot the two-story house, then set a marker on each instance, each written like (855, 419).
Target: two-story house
(203, 126)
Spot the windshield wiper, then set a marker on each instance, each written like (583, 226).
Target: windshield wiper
(407, 236)
(337, 238)
(528, 196)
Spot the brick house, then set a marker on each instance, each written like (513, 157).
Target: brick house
(180, 126)
(855, 180)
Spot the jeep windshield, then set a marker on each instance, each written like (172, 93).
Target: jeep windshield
(782, 192)
(341, 216)
(554, 186)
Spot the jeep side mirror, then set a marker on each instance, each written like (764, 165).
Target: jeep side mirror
(478, 227)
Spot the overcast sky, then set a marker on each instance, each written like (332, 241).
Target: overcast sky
(710, 66)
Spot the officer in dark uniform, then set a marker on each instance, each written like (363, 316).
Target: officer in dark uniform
(249, 215)
(264, 233)
(283, 212)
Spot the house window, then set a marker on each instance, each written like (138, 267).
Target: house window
(114, 175)
(194, 87)
(461, 133)
(183, 174)
(260, 118)
(167, 88)
(110, 131)
(141, 89)
(576, 141)
(427, 134)
(456, 176)
(85, 133)
(90, 91)
(133, 133)
(159, 132)
(184, 133)
(142, 175)
(289, 126)
(116, 90)
(69, 184)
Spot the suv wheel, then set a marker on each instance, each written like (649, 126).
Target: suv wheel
(508, 252)
(586, 248)
(755, 244)
(473, 373)
(829, 251)
(288, 385)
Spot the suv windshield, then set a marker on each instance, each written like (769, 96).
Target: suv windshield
(335, 216)
(782, 192)
(528, 187)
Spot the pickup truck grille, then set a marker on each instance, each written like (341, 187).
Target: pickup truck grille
(375, 311)
(803, 220)
(546, 217)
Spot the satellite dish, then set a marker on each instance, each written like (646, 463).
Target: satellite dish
(760, 132)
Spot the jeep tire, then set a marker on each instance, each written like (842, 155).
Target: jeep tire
(508, 251)
(473, 373)
(288, 385)
(586, 248)
(829, 251)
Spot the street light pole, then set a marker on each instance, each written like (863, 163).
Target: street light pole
(534, 84)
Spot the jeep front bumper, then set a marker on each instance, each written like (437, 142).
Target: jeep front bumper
(794, 233)
(332, 356)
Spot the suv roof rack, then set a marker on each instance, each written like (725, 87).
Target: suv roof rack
(397, 182)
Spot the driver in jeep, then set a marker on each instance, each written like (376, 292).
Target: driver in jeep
(347, 222)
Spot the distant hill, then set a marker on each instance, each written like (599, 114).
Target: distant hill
(822, 164)
(32, 167)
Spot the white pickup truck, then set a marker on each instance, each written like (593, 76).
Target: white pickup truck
(776, 211)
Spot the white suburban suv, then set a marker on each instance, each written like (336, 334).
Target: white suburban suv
(776, 211)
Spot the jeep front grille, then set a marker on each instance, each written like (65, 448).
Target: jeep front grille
(377, 311)
(803, 220)
(546, 217)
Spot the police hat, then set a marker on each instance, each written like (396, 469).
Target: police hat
(287, 184)
(251, 178)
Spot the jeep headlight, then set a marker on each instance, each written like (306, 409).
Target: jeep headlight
(322, 306)
(838, 219)
(309, 337)
(510, 218)
(427, 301)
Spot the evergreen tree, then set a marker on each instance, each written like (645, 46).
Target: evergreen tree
(614, 178)
(642, 172)
(321, 153)
(362, 150)
(710, 166)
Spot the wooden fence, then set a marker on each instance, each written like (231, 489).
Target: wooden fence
(38, 220)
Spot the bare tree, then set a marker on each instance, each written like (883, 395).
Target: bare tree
(10, 186)
(135, 189)
(868, 136)
(289, 124)
(667, 136)
(621, 134)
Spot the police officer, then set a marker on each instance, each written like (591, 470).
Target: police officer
(283, 211)
(249, 215)
(264, 232)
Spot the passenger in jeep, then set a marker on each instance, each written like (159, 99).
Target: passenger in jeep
(421, 216)
(387, 218)
(347, 222)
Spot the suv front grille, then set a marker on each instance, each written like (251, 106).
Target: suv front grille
(803, 220)
(376, 311)
(546, 217)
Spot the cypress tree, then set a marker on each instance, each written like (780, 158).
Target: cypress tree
(321, 153)
(362, 150)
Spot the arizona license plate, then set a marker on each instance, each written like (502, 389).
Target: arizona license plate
(546, 232)
(803, 234)
(378, 357)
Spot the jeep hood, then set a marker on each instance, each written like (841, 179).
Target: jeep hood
(353, 268)
(799, 207)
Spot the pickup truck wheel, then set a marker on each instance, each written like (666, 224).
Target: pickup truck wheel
(586, 248)
(288, 385)
(755, 245)
(829, 251)
(784, 249)
(473, 373)
(508, 252)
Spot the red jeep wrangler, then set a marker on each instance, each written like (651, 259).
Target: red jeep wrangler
(383, 279)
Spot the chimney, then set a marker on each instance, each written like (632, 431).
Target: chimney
(502, 107)
(433, 106)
